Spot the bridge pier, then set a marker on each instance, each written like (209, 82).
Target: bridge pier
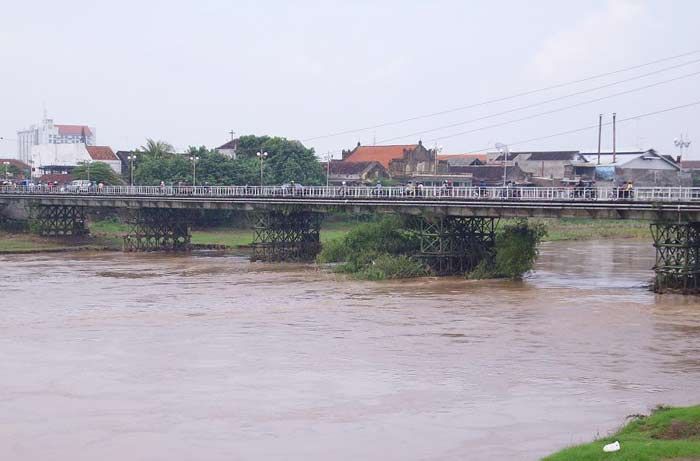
(286, 236)
(677, 256)
(453, 244)
(158, 229)
(59, 220)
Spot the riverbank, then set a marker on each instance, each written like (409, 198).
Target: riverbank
(666, 434)
(107, 235)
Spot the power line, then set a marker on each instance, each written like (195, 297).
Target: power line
(540, 114)
(559, 98)
(577, 130)
(501, 99)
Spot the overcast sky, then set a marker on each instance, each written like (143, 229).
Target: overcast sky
(189, 71)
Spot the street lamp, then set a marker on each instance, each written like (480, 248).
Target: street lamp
(329, 157)
(194, 159)
(88, 171)
(261, 156)
(131, 158)
(6, 165)
(681, 144)
(503, 149)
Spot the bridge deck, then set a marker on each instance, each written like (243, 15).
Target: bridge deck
(643, 203)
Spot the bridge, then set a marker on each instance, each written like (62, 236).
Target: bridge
(453, 223)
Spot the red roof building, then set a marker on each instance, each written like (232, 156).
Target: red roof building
(400, 160)
(102, 153)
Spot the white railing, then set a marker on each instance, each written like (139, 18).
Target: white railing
(586, 194)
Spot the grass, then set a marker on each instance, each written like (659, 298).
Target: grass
(593, 229)
(109, 233)
(666, 434)
(230, 237)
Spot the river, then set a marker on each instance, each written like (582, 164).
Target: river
(111, 356)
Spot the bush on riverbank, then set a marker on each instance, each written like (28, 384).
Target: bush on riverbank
(515, 251)
(667, 433)
(375, 251)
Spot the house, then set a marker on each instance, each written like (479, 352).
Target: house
(544, 164)
(643, 168)
(463, 159)
(400, 160)
(57, 158)
(492, 175)
(229, 149)
(355, 173)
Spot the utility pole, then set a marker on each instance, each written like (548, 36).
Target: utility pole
(328, 168)
(681, 144)
(614, 138)
(600, 132)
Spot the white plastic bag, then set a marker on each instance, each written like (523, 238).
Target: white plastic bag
(615, 446)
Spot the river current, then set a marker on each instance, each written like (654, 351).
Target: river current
(111, 356)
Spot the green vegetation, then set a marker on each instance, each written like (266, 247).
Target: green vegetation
(515, 251)
(98, 172)
(286, 161)
(375, 251)
(668, 433)
(593, 229)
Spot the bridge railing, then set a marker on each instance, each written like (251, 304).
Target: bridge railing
(643, 194)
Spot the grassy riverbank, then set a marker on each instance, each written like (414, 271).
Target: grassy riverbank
(109, 234)
(666, 434)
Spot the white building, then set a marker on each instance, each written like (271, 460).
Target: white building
(56, 157)
(47, 132)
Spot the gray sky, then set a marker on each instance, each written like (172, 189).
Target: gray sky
(190, 71)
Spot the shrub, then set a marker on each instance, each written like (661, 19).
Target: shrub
(515, 251)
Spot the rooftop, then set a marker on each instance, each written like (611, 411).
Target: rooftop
(381, 154)
(103, 153)
(74, 130)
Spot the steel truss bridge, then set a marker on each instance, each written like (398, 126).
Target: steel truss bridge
(456, 224)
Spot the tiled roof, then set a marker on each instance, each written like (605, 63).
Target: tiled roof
(55, 177)
(546, 156)
(232, 144)
(101, 153)
(74, 130)
(341, 167)
(13, 161)
(381, 154)
(480, 157)
(690, 164)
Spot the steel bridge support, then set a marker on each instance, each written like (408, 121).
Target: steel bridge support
(158, 229)
(677, 257)
(286, 236)
(455, 245)
(59, 220)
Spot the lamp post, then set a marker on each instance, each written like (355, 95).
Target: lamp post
(503, 149)
(88, 171)
(194, 159)
(7, 164)
(681, 144)
(328, 168)
(261, 156)
(131, 158)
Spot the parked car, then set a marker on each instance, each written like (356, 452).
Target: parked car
(79, 185)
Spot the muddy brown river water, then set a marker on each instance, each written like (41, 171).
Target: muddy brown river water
(114, 356)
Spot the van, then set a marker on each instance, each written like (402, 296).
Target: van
(79, 185)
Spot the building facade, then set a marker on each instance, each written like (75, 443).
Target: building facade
(47, 132)
(59, 158)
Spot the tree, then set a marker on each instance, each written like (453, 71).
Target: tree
(99, 172)
(10, 171)
(288, 160)
(157, 149)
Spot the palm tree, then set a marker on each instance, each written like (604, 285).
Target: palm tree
(157, 149)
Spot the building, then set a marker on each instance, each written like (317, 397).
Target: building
(544, 164)
(355, 173)
(643, 168)
(492, 175)
(229, 149)
(401, 161)
(463, 159)
(62, 158)
(47, 132)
